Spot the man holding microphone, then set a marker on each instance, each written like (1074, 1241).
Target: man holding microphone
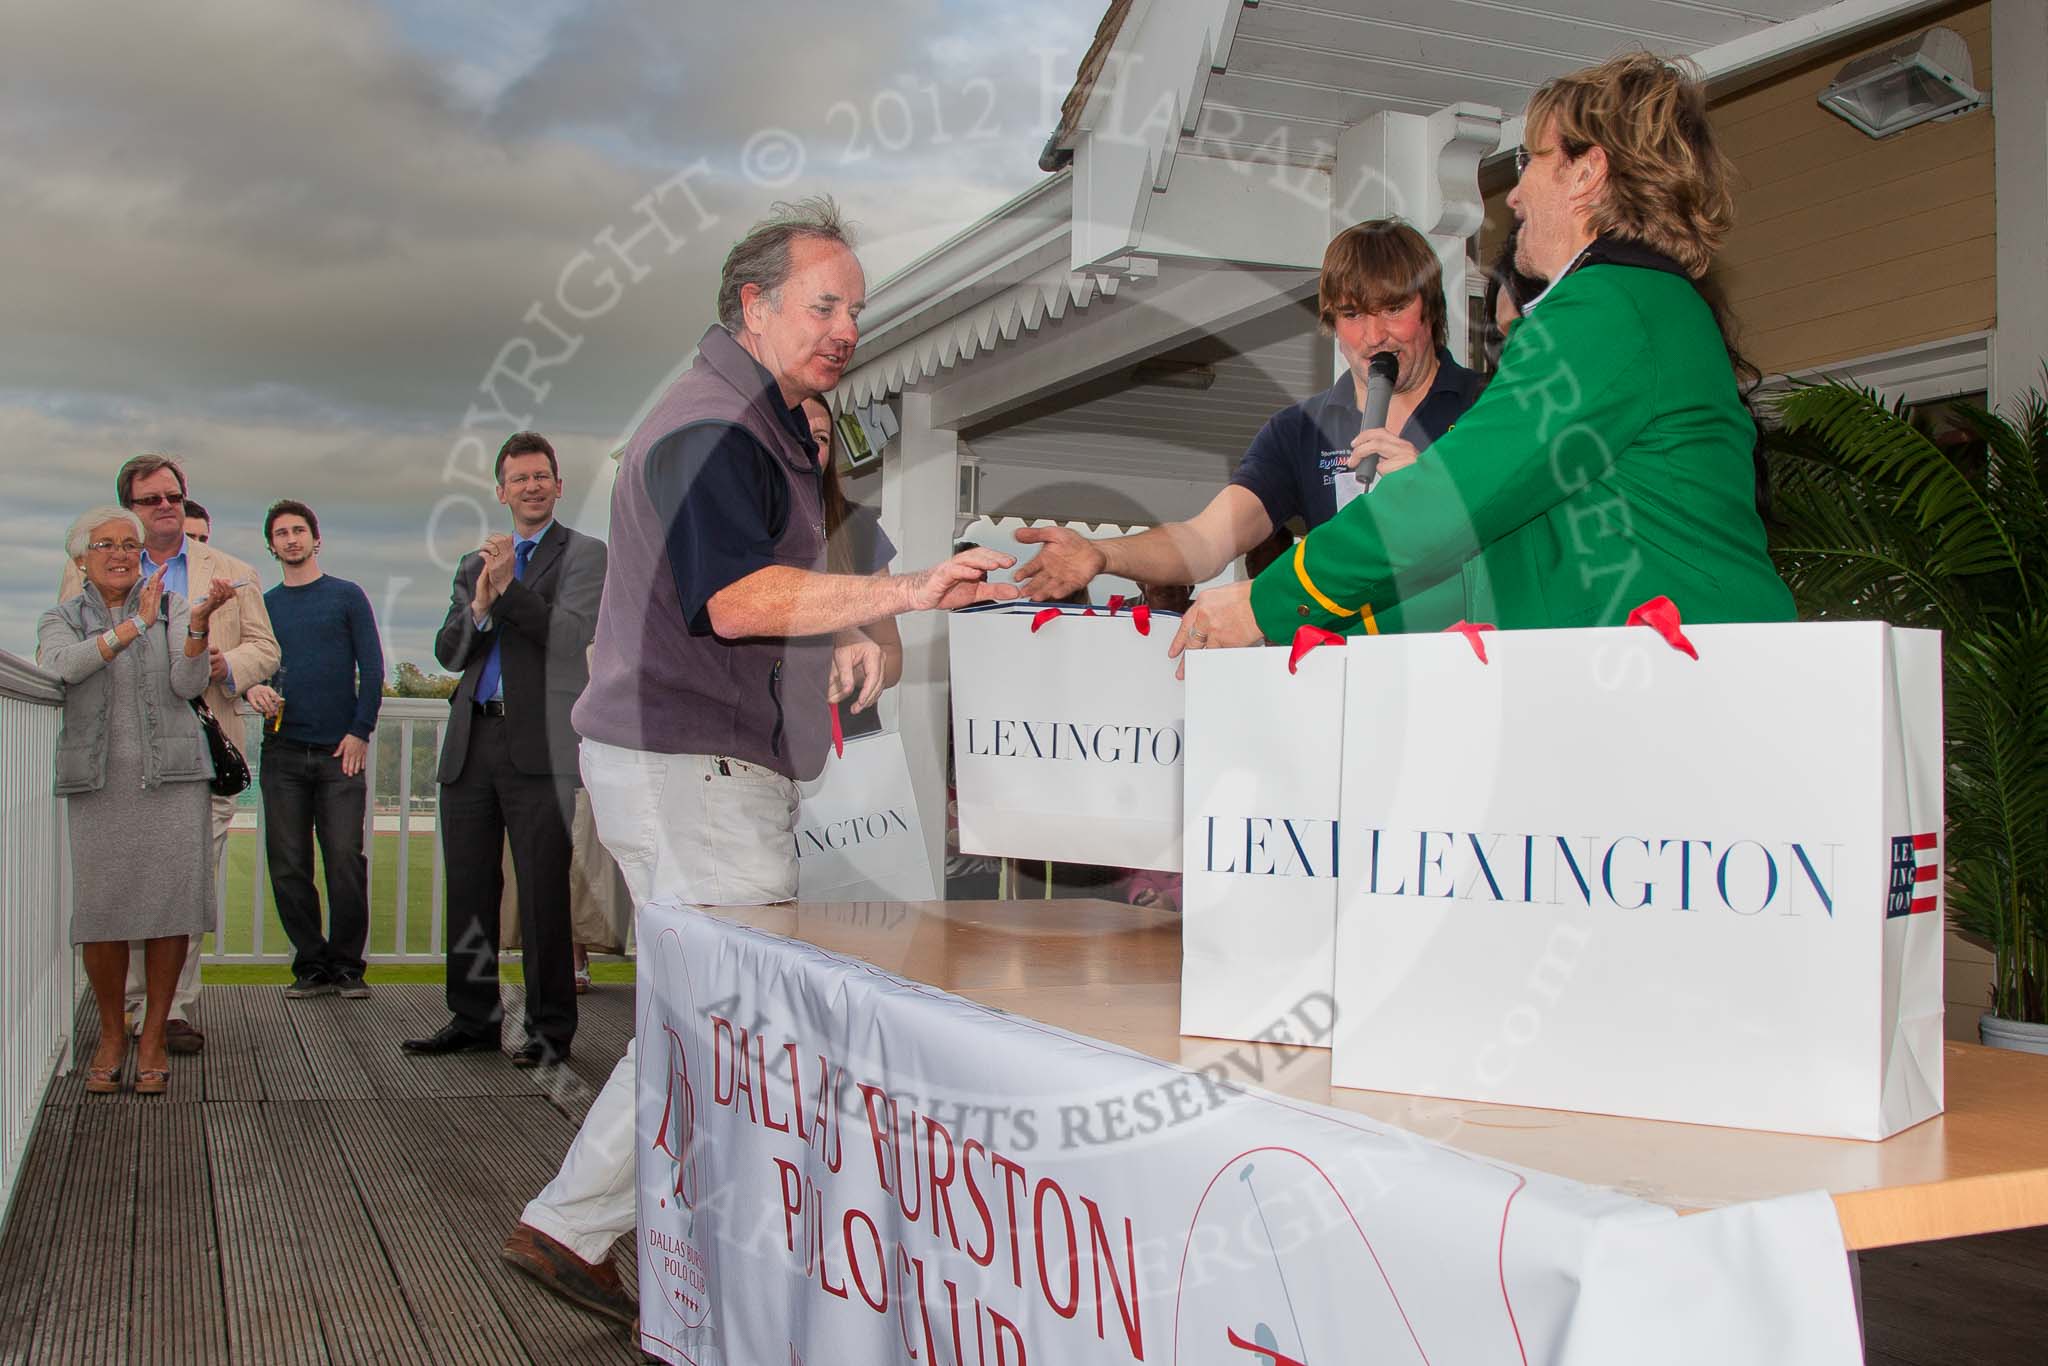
(1381, 294)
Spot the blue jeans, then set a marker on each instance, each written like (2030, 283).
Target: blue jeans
(305, 795)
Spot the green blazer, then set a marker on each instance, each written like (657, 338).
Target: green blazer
(1608, 462)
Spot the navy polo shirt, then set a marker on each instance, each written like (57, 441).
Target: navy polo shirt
(722, 496)
(1293, 462)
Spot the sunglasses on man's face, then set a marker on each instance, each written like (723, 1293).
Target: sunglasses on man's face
(151, 500)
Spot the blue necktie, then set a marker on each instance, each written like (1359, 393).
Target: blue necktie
(487, 682)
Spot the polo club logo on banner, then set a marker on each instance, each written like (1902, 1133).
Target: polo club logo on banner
(673, 1255)
(1290, 1232)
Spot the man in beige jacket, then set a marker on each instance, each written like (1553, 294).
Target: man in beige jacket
(243, 653)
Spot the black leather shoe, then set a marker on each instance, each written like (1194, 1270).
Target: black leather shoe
(450, 1038)
(537, 1053)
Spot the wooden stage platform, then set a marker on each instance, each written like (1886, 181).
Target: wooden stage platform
(305, 1194)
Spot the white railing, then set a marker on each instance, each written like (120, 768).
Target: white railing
(400, 831)
(38, 983)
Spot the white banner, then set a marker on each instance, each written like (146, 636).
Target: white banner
(1593, 873)
(857, 832)
(1067, 739)
(839, 1166)
(1259, 863)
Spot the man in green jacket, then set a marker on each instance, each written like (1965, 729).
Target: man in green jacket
(1609, 461)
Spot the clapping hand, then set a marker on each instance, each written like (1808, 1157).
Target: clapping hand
(152, 598)
(496, 573)
(217, 593)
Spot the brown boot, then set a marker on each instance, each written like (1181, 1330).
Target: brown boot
(594, 1286)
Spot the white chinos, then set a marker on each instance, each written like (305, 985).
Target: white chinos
(687, 827)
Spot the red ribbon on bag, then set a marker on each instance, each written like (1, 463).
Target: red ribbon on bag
(838, 735)
(1470, 630)
(1141, 615)
(1308, 638)
(1661, 615)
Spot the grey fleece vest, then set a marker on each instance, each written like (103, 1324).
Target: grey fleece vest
(654, 686)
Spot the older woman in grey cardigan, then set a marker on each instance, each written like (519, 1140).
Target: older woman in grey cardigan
(133, 767)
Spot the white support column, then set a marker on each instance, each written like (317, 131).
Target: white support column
(920, 479)
(1426, 171)
(2019, 92)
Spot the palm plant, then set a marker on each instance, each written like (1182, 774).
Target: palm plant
(1875, 519)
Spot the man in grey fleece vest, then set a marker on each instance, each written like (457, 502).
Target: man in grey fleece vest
(721, 646)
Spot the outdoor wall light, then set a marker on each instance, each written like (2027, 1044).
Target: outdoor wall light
(1925, 77)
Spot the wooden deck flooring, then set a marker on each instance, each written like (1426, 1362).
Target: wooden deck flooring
(306, 1194)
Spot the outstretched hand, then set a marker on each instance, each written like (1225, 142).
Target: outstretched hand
(963, 581)
(1067, 563)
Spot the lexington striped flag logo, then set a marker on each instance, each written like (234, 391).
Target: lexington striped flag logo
(1916, 875)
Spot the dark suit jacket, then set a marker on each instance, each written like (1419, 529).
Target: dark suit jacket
(544, 623)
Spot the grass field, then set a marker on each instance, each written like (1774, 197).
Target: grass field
(239, 921)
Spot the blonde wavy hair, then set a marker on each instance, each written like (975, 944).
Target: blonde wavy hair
(1667, 179)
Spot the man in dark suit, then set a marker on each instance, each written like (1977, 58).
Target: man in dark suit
(520, 618)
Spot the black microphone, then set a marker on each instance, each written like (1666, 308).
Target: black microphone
(1380, 374)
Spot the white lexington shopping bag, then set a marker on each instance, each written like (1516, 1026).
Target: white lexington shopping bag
(1259, 859)
(858, 837)
(1596, 873)
(1067, 735)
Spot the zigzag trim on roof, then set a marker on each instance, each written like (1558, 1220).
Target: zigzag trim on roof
(1021, 308)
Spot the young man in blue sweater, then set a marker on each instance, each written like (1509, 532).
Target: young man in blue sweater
(313, 753)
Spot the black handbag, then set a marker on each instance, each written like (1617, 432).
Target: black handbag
(230, 769)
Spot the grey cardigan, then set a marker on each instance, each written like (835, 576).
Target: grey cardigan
(67, 645)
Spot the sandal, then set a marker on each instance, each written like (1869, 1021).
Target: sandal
(582, 980)
(152, 1081)
(103, 1081)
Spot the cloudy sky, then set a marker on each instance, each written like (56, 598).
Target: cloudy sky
(338, 250)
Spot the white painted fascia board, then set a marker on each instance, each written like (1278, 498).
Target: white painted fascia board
(1917, 373)
(984, 325)
(1202, 302)
(1041, 215)
(1756, 57)
(1128, 133)
(1244, 212)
